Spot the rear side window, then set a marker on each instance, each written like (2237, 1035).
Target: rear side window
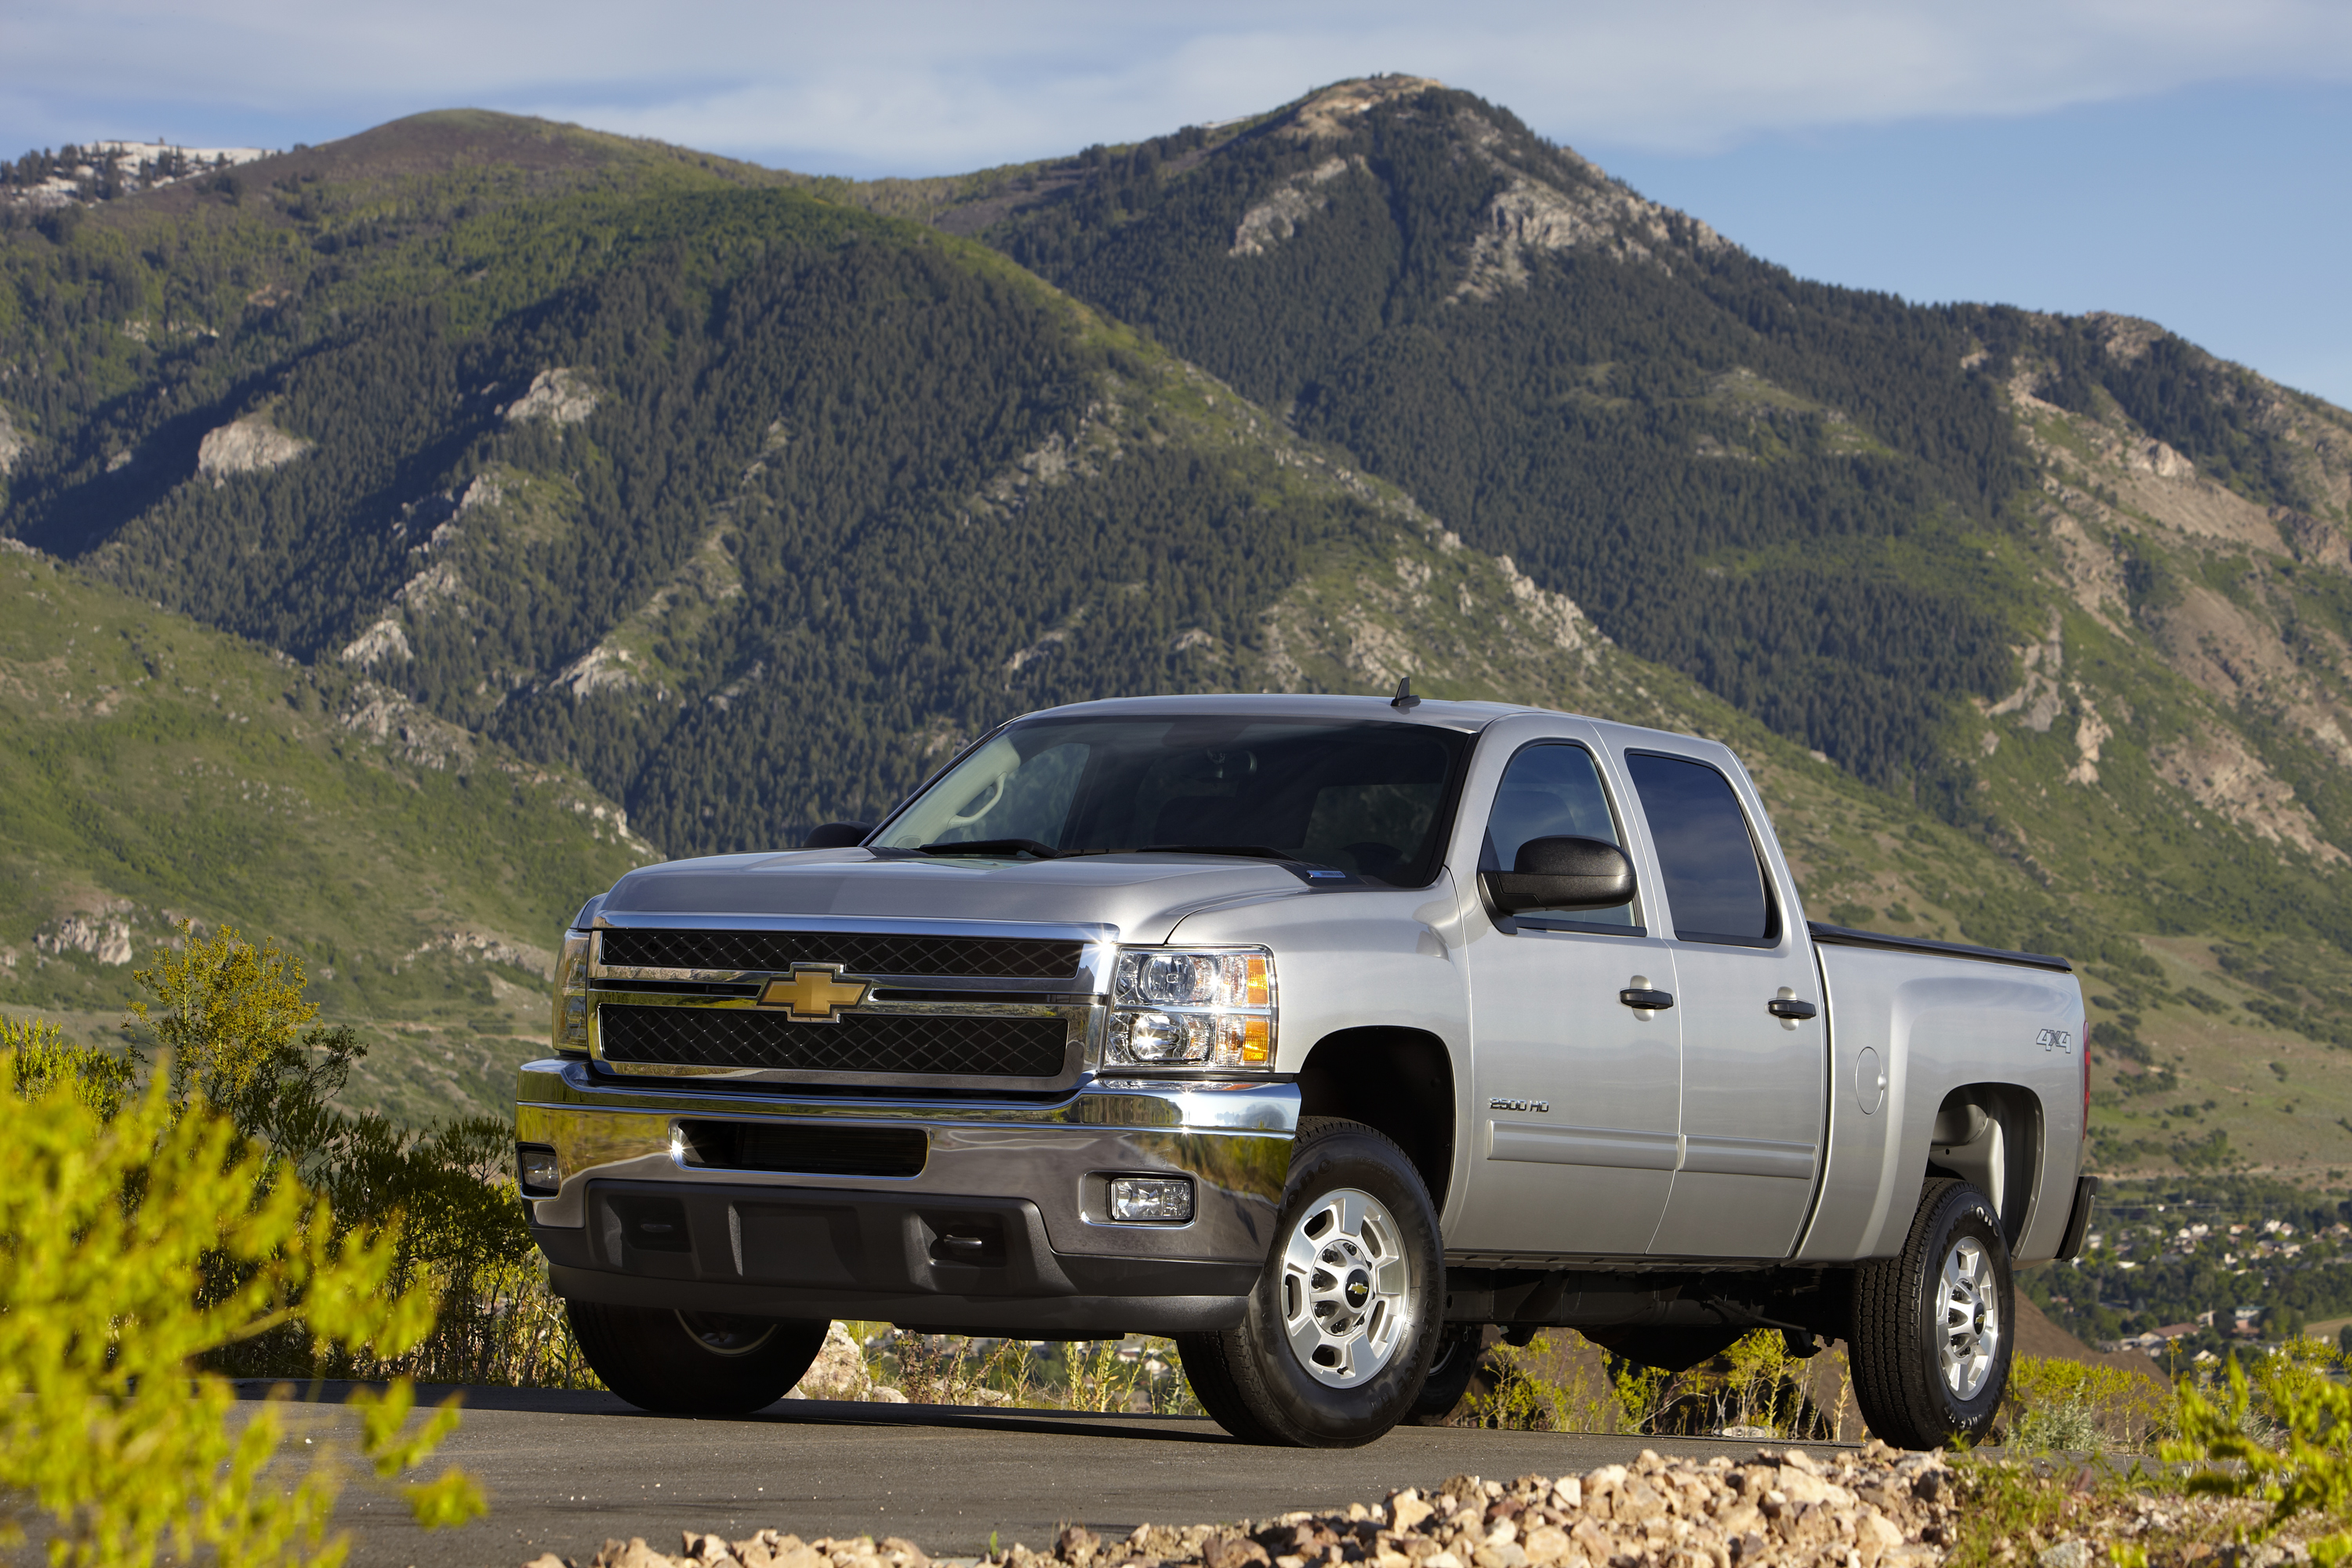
(1715, 884)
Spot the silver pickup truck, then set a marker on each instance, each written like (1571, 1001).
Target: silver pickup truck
(1319, 1032)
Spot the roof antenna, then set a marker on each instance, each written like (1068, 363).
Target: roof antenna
(1404, 697)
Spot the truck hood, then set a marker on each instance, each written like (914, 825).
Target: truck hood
(1142, 896)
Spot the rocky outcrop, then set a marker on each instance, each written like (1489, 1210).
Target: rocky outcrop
(560, 396)
(384, 640)
(247, 446)
(480, 947)
(1277, 217)
(601, 668)
(1327, 113)
(839, 1371)
(13, 446)
(2215, 767)
(401, 727)
(107, 941)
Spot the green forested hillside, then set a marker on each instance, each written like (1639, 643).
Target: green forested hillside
(749, 495)
(1605, 391)
(152, 770)
(762, 536)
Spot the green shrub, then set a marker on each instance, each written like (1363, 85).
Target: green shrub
(137, 1236)
(40, 1059)
(233, 1030)
(1546, 1386)
(2295, 1454)
(2054, 1403)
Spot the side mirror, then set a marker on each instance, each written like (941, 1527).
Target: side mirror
(838, 836)
(1561, 874)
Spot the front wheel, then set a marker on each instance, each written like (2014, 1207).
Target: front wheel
(1932, 1333)
(1344, 1323)
(694, 1364)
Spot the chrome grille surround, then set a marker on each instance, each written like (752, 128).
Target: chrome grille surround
(655, 954)
(1006, 1049)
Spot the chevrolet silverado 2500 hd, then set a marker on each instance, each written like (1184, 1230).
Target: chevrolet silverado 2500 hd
(1319, 1032)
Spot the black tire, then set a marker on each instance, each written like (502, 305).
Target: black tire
(1931, 1361)
(1460, 1350)
(1391, 1267)
(694, 1364)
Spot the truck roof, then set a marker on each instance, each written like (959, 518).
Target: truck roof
(1431, 711)
(1462, 717)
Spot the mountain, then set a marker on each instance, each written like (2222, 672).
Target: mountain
(154, 770)
(2073, 584)
(749, 495)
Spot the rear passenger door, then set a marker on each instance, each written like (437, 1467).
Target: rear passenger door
(1753, 1082)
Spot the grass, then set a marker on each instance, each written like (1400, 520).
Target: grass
(152, 769)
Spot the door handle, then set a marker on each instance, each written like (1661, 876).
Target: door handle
(1790, 1008)
(1657, 1001)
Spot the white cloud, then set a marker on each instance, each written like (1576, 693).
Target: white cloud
(934, 85)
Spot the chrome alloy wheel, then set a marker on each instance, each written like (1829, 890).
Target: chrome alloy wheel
(1346, 1289)
(1968, 1309)
(722, 1333)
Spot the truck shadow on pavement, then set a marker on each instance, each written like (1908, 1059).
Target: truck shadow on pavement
(1115, 1425)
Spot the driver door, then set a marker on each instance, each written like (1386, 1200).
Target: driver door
(1577, 1096)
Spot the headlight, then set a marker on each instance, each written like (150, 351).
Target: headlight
(1174, 1008)
(570, 1023)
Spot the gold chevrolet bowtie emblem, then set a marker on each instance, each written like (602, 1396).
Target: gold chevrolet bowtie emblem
(815, 993)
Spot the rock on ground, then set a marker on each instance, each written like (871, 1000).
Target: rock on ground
(1785, 1508)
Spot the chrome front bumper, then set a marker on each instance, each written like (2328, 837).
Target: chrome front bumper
(1030, 1178)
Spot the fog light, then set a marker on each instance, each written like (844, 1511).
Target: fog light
(1151, 1197)
(537, 1170)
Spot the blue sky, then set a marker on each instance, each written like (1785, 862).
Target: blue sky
(2185, 160)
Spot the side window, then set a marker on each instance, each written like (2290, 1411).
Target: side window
(1714, 882)
(1552, 790)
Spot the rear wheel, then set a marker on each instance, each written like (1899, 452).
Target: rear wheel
(1344, 1323)
(694, 1364)
(1932, 1334)
(1461, 1350)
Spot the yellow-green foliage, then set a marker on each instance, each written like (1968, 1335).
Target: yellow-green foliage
(230, 1019)
(1755, 1383)
(115, 1233)
(1584, 1397)
(40, 1059)
(2057, 1404)
(1098, 1380)
(2299, 1461)
(234, 1026)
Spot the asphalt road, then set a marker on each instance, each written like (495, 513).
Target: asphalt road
(565, 1471)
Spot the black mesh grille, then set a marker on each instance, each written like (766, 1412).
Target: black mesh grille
(860, 1043)
(1004, 958)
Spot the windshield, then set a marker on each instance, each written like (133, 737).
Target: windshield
(1363, 797)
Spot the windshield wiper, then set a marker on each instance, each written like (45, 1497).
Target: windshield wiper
(1029, 847)
(1254, 851)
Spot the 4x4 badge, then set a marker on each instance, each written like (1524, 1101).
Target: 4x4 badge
(816, 993)
(2056, 1040)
